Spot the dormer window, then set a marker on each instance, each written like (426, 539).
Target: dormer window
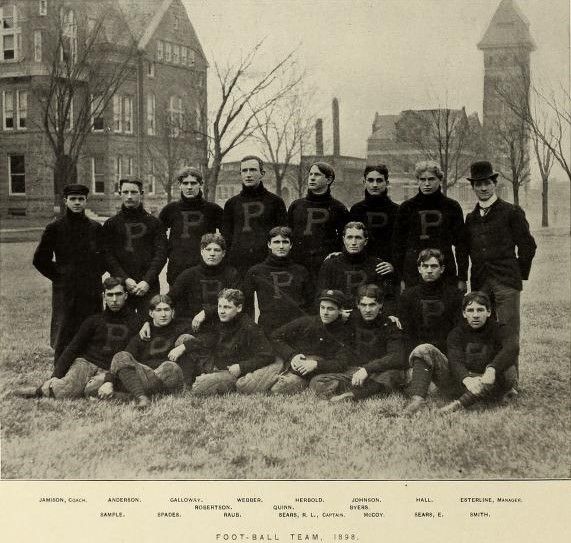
(43, 7)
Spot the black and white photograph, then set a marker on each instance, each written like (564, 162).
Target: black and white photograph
(285, 240)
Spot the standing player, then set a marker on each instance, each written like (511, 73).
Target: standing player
(135, 246)
(70, 255)
(187, 221)
(249, 216)
(430, 220)
(317, 220)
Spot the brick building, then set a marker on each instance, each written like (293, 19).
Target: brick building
(153, 123)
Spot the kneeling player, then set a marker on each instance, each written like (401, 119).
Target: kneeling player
(83, 367)
(378, 344)
(234, 355)
(147, 367)
(313, 345)
(482, 354)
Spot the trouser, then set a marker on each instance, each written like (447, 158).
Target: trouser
(73, 384)
(428, 364)
(328, 384)
(141, 379)
(289, 383)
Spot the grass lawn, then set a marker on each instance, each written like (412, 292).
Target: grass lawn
(297, 437)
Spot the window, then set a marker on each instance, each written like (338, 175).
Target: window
(91, 24)
(183, 54)
(175, 53)
(98, 175)
(151, 114)
(168, 52)
(176, 115)
(129, 170)
(43, 7)
(37, 46)
(8, 110)
(160, 51)
(10, 38)
(68, 50)
(117, 119)
(150, 69)
(118, 170)
(198, 121)
(97, 119)
(176, 22)
(151, 178)
(191, 57)
(22, 102)
(17, 174)
(128, 114)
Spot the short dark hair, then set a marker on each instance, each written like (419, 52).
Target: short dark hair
(427, 254)
(232, 295)
(284, 231)
(213, 237)
(358, 225)
(370, 291)
(160, 299)
(479, 297)
(185, 172)
(326, 169)
(381, 168)
(135, 181)
(254, 157)
(112, 282)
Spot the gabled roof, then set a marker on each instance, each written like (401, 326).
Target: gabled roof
(509, 27)
(140, 14)
(384, 127)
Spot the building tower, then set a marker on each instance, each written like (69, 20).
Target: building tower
(336, 136)
(506, 45)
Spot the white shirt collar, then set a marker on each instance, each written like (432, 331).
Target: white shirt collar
(490, 201)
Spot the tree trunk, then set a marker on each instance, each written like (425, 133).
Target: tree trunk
(65, 173)
(545, 202)
(516, 193)
(444, 185)
(210, 187)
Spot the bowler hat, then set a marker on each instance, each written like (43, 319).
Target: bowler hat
(75, 189)
(335, 296)
(481, 170)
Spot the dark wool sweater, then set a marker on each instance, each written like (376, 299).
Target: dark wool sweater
(428, 311)
(187, 221)
(284, 291)
(155, 351)
(240, 341)
(99, 338)
(429, 221)
(135, 245)
(248, 217)
(197, 288)
(492, 242)
(347, 272)
(329, 344)
(472, 350)
(378, 214)
(378, 345)
(317, 223)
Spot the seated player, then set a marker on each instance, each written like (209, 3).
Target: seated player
(83, 367)
(354, 267)
(377, 344)
(234, 355)
(283, 288)
(428, 312)
(143, 367)
(482, 354)
(195, 291)
(313, 345)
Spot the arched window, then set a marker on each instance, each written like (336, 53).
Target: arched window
(68, 51)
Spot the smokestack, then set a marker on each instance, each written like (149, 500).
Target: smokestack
(336, 140)
(319, 137)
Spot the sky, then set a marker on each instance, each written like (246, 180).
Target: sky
(379, 55)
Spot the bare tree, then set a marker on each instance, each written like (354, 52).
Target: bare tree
(243, 96)
(443, 135)
(84, 71)
(283, 130)
(545, 158)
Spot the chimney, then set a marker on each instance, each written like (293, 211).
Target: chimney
(319, 137)
(336, 141)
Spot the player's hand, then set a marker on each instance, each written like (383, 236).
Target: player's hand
(105, 391)
(142, 288)
(474, 385)
(198, 320)
(402, 286)
(145, 332)
(307, 366)
(396, 321)
(345, 314)
(131, 285)
(359, 377)
(296, 361)
(234, 369)
(331, 255)
(462, 286)
(489, 377)
(384, 267)
(176, 353)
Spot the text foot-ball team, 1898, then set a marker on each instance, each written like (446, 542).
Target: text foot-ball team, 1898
(352, 303)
